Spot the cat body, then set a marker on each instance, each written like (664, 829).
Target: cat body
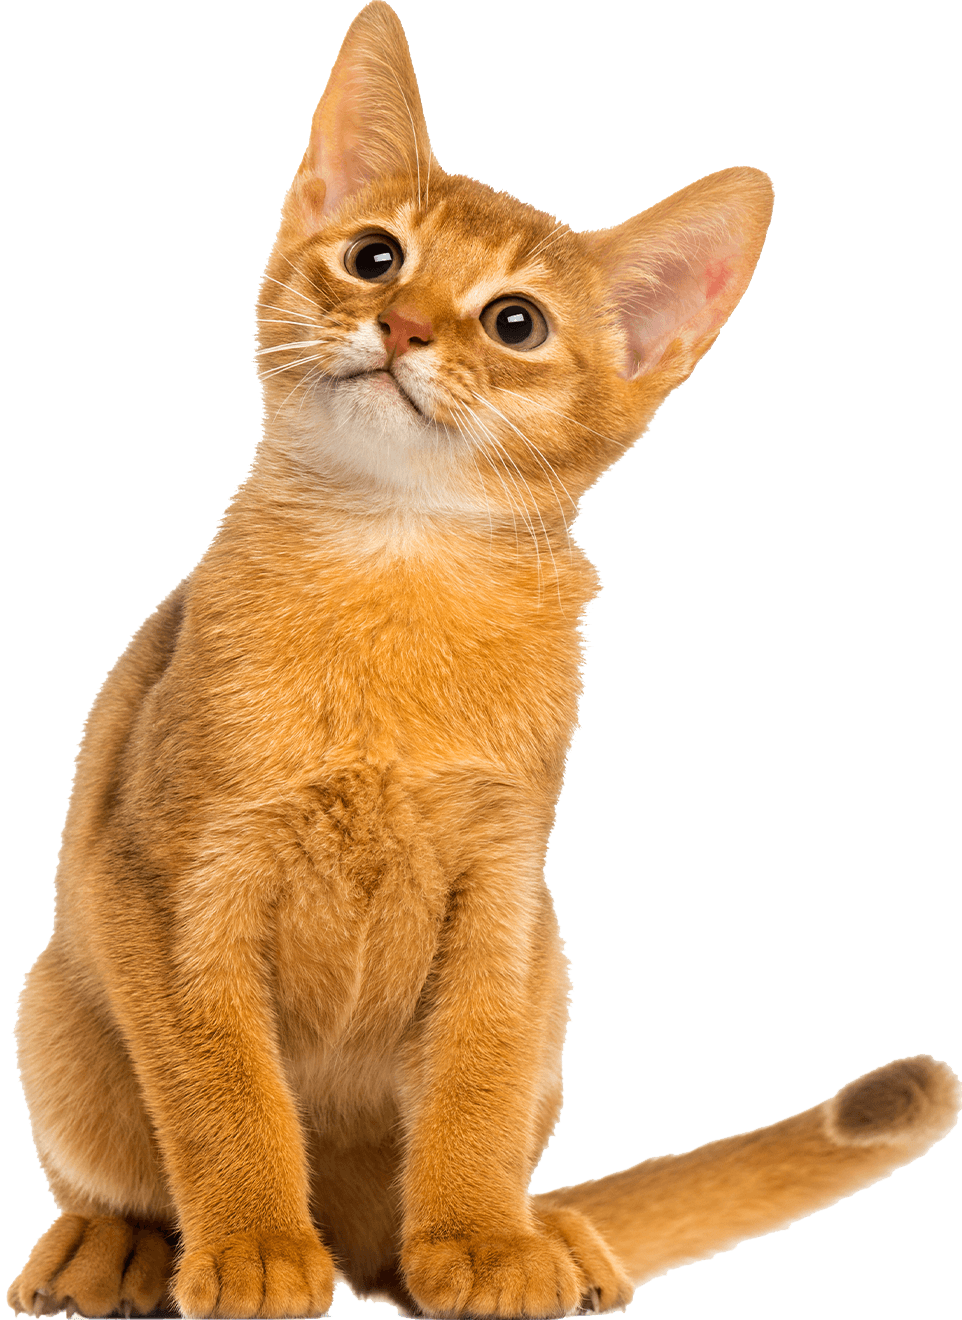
(305, 1000)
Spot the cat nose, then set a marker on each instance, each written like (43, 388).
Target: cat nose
(404, 328)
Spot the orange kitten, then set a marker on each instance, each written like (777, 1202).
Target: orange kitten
(304, 1004)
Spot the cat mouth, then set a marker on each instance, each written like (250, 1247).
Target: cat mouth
(389, 376)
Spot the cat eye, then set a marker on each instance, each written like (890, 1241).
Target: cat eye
(374, 257)
(515, 322)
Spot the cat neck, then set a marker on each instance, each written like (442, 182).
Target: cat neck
(308, 593)
(318, 510)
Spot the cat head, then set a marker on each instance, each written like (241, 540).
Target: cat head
(429, 341)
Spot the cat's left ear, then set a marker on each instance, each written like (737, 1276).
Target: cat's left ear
(677, 271)
(369, 123)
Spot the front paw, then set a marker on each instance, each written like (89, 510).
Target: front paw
(563, 1265)
(256, 1274)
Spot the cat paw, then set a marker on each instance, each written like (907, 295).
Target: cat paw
(256, 1274)
(100, 1266)
(562, 1266)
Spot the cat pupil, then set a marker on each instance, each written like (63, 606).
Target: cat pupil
(514, 325)
(373, 260)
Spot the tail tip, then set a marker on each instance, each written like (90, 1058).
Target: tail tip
(910, 1102)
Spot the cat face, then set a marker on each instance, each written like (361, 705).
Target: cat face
(435, 343)
(459, 340)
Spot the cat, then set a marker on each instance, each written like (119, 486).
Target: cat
(305, 999)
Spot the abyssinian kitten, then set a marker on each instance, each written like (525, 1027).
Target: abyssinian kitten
(304, 1003)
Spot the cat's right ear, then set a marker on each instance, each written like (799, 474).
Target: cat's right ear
(369, 123)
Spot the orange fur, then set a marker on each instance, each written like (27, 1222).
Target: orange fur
(304, 1003)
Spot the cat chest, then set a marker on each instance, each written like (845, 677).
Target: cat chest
(356, 922)
(386, 689)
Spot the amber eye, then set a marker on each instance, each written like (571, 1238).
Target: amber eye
(515, 322)
(374, 257)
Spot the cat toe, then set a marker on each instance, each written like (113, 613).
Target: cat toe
(32, 1291)
(146, 1275)
(96, 1267)
(257, 1274)
(565, 1266)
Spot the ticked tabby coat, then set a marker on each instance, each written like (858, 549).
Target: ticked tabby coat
(304, 1004)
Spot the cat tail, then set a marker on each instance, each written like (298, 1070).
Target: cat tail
(681, 1208)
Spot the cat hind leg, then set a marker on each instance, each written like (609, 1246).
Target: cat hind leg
(109, 1252)
(97, 1266)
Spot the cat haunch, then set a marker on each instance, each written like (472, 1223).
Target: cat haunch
(304, 1003)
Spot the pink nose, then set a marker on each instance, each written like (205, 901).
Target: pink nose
(403, 328)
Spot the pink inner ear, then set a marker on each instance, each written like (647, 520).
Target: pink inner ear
(717, 275)
(666, 296)
(677, 270)
(337, 140)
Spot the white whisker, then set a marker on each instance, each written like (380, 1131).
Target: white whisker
(292, 392)
(484, 492)
(526, 518)
(314, 378)
(270, 307)
(274, 320)
(537, 510)
(279, 306)
(291, 289)
(297, 386)
(285, 366)
(564, 416)
(467, 432)
(294, 343)
(549, 471)
(556, 232)
(325, 292)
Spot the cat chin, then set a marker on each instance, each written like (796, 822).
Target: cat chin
(366, 433)
(379, 396)
(372, 414)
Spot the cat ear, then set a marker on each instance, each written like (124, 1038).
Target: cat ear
(369, 122)
(677, 270)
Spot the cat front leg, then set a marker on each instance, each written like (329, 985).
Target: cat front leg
(190, 989)
(480, 1093)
